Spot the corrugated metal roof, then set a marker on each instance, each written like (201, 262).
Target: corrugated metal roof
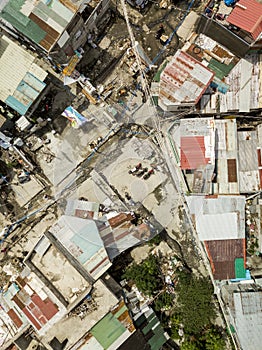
(197, 149)
(115, 229)
(220, 142)
(217, 57)
(245, 85)
(196, 127)
(40, 21)
(15, 63)
(82, 209)
(82, 240)
(248, 156)
(183, 80)
(18, 87)
(227, 156)
(247, 15)
(108, 330)
(15, 318)
(119, 219)
(193, 152)
(25, 301)
(248, 318)
(218, 218)
(222, 255)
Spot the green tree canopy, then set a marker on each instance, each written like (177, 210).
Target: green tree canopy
(195, 302)
(146, 275)
(188, 345)
(163, 301)
(213, 339)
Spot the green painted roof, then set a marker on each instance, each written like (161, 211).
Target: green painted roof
(220, 69)
(157, 342)
(150, 325)
(11, 13)
(240, 271)
(120, 311)
(108, 330)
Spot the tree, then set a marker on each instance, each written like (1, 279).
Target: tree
(163, 301)
(188, 345)
(213, 339)
(175, 325)
(146, 275)
(195, 303)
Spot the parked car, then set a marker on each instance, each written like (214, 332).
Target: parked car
(141, 172)
(135, 169)
(148, 174)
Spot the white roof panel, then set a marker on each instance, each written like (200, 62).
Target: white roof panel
(15, 62)
(215, 227)
(38, 72)
(222, 217)
(245, 86)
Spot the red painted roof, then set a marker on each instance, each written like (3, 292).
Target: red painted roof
(247, 15)
(15, 318)
(192, 152)
(47, 308)
(32, 319)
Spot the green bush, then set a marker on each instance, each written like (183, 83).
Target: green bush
(146, 275)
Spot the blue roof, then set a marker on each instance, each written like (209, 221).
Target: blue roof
(25, 94)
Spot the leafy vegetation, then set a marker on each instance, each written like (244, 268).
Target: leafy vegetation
(155, 240)
(146, 275)
(212, 339)
(164, 301)
(190, 308)
(194, 300)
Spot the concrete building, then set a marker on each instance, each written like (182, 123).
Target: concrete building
(80, 242)
(90, 309)
(55, 270)
(21, 79)
(182, 83)
(27, 301)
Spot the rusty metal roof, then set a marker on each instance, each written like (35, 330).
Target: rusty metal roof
(247, 15)
(184, 80)
(222, 255)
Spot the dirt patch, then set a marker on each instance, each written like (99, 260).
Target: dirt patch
(140, 253)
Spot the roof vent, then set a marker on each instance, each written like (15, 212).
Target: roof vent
(241, 6)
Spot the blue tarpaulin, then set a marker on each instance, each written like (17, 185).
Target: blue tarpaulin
(229, 2)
